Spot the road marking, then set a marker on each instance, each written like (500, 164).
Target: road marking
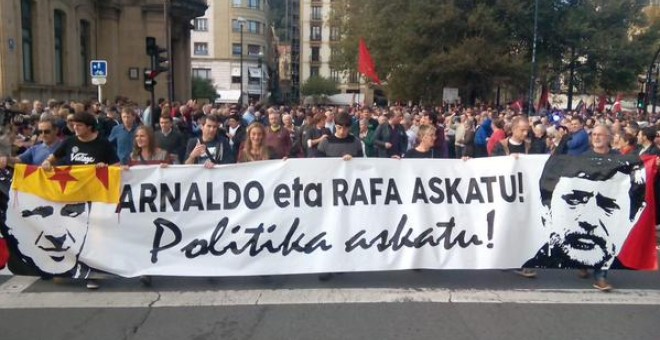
(17, 284)
(156, 299)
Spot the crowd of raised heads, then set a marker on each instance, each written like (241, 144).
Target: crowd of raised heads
(458, 130)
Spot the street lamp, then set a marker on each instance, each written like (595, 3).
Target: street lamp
(261, 75)
(241, 21)
(532, 77)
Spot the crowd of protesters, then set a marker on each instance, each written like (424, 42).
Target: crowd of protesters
(195, 133)
(460, 131)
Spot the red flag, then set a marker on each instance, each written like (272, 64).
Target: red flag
(638, 252)
(602, 100)
(617, 104)
(4, 253)
(365, 64)
(543, 101)
(517, 105)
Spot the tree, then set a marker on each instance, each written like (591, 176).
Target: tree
(318, 87)
(421, 46)
(203, 89)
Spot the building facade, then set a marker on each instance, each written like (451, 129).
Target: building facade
(48, 46)
(231, 46)
(289, 53)
(319, 41)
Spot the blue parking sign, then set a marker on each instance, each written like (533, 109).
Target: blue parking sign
(98, 68)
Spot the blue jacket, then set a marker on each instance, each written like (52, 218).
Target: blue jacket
(578, 143)
(123, 141)
(483, 132)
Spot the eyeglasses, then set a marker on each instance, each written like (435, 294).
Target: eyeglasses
(45, 132)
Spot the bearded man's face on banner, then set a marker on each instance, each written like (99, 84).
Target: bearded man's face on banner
(589, 220)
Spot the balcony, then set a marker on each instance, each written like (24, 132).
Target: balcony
(187, 9)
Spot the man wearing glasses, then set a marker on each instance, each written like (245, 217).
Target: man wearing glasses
(38, 153)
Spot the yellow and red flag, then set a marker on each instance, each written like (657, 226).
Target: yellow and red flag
(78, 183)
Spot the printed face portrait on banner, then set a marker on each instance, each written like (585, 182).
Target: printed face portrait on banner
(590, 207)
(51, 235)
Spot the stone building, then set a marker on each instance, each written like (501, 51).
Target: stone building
(231, 45)
(319, 39)
(47, 46)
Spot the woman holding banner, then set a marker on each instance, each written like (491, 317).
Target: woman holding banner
(254, 148)
(426, 136)
(145, 150)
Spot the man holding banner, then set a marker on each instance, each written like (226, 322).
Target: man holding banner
(85, 148)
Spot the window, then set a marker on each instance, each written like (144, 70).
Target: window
(201, 48)
(316, 33)
(254, 27)
(201, 73)
(58, 26)
(237, 3)
(85, 38)
(316, 54)
(314, 71)
(236, 75)
(254, 76)
(334, 52)
(236, 49)
(316, 13)
(334, 33)
(201, 24)
(26, 28)
(335, 75)
(253, 50)
(353, 77)
(254, 4)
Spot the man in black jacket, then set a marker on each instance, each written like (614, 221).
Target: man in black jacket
(390, 139)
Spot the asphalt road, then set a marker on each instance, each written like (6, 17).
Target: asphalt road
(486, 304)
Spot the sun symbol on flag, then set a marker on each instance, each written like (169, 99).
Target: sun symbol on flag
(63, 175)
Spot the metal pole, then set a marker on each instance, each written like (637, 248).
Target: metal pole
(654, 88)
(533, 75)
(168, 46)
(240, 101)
(100, 94)
(571, 76)
(261, 79)
(648, 79)
(152, 90)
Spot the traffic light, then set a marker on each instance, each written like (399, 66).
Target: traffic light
(160, 61)
(158, 56)
(149, 81)
(641, 100)
(151, 45)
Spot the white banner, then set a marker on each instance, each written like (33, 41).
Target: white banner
(319, 215)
